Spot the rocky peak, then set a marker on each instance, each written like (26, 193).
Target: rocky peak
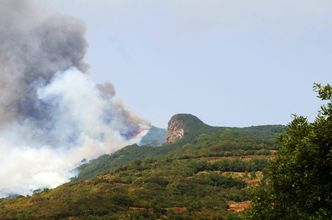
(184, 125)
(175, 130)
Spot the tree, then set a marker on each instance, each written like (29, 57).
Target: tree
(298, 183)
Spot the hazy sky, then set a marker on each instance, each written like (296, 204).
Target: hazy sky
(231, 63)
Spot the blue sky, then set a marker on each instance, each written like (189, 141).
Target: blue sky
(231, 63)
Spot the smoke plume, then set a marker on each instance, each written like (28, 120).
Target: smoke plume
(52, 115)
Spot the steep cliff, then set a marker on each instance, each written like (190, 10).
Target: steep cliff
(175, 131)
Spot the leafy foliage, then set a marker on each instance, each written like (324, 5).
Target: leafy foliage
(298, 183)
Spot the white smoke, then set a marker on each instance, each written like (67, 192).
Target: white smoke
(81, 129)
(52, 115)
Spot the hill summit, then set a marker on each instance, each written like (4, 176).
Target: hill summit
(182, 125)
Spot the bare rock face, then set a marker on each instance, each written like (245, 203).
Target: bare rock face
(175, 130)
(183, 126)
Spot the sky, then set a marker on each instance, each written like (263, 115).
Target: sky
(231, 63)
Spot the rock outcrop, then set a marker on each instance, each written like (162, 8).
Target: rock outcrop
(175, 130)
(185, 126)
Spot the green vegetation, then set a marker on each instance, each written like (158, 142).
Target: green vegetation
(169, 189)
(207, 142)
(298, 183)
(195, 178)
(237, 165)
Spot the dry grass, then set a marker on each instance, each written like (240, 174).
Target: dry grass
(238, 206)
(243, 158)
(251, 178)
(177, 210)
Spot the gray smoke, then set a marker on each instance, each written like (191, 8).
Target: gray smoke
(52, 114)
(33, 48)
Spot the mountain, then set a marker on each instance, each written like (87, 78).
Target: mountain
(205, 173)
(185, 126)
(154, 137)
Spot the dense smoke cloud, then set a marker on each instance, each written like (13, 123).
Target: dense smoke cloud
(51, 114)
(33, 48)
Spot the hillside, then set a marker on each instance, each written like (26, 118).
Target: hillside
(194, 130)
(204, 175)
